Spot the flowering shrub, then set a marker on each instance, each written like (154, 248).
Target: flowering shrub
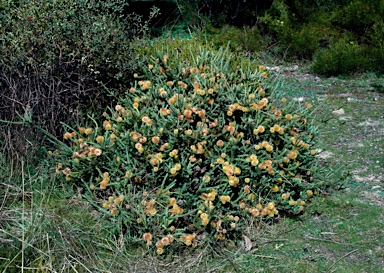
(192, 150)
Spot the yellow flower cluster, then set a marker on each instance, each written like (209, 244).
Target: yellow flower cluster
(144, 84)
(268, 210)
(209, 198)
(165, 111)
(233, 107)
(165, 241)
(199, 149)
(112, 204)
(267, 165)
(174, 170)
(146, 120)
(149, 208)
(204, 219)
(162, 92)
(253, 160)
(266, 145)
(86, 150)
(261, 105)
(231, 127)
(175, 210)
(105, 181)
(86, 131)
(189, 239)
(277, 129)
(147, 237)
(155, 159)
(231, 171)
(225, 198)
(259, 129)
(68, 135)
(174, 153)
(139, 147)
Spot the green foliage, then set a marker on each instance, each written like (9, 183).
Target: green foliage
(358, 16)
(197, 14)
(239, 39)
(377, 44)
(186, 49)
(194, 148)
(342, 57)
(54, 54)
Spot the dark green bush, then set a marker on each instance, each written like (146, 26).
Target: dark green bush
(376, 52)
(54, 54)
(244, 39)
(195, 147)
(342, 57)
(358, 16)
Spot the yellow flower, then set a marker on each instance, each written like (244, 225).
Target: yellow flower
(88, 131)
(206, 178)
(275, 188)
(224, 199)
(264, 102)
(293, 154)
(309, 192)
(103, 184)
(155, 139)
(188, 132)
(173, 153)
(192, 158)
(159, 250)
(98, 152)
(99, 139)
(261, 129)
(269, 148)
(67, 135)
(145, 119)
(220, 143)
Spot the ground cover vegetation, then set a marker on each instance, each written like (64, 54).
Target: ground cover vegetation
(190, 155)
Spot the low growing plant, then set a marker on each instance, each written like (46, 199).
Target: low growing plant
(192, 151)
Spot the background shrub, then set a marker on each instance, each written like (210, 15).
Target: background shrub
(341, 57)
(194, 148)
(55, 54)
(244, 39)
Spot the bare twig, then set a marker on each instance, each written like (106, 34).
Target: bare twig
(346, 255)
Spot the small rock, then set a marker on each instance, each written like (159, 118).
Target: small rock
(300, 99)
(376, 187)
(339, 112)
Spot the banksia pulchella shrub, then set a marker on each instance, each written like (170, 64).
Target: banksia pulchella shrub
(191, 151)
